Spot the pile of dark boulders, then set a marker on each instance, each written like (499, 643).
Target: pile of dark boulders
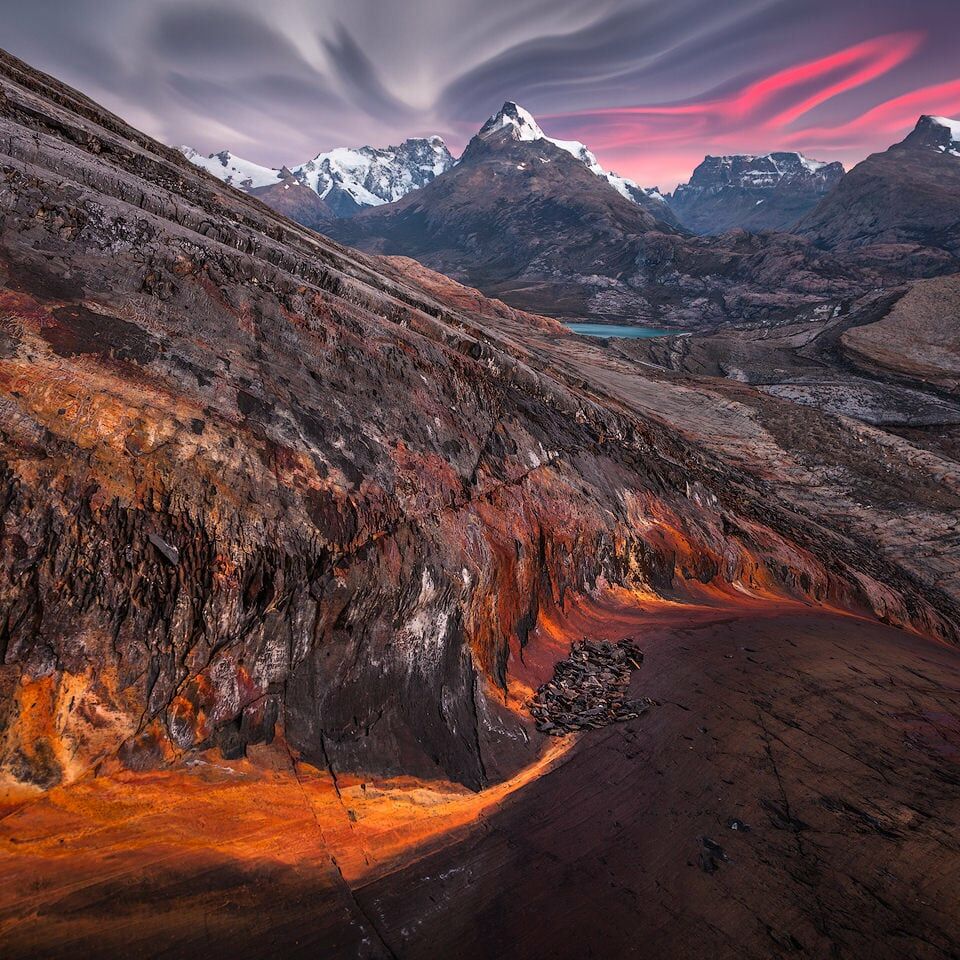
(589, 688)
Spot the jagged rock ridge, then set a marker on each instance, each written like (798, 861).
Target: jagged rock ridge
(769, 192)
(345, 179)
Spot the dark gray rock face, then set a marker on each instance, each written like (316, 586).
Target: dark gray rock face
(769, 192)
(902, 203)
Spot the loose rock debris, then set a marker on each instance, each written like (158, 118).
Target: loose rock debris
(589, 688)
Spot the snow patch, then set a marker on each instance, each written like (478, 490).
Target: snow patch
(952, 125)
(232, 170)
(953, 129)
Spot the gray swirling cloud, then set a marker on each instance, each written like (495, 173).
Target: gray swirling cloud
(277, 83)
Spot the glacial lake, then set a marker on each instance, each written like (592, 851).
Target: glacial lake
(618, 330)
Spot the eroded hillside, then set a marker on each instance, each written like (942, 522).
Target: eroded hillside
(319, 519)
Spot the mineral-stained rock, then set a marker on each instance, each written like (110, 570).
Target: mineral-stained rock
(373, 481)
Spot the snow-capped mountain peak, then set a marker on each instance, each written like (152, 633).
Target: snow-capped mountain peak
(523, 126)
(369, 176)
(236, 171)
(513, 117)
(759, 170)
(346, 178)
(940, 133)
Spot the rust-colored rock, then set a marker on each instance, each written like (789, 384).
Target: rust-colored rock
(274, 503)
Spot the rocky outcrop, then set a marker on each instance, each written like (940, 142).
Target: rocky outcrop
(589, 689)
(918, 339)
(769, 192)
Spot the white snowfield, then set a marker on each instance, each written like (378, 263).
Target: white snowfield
(769, 168)
(368, 176)
(952, 125)
(525, 127)
(372, 175)
(233, 170)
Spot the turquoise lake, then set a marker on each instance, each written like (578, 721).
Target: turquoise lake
(617, 330)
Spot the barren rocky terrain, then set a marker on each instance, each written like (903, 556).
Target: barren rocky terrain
(292, 534)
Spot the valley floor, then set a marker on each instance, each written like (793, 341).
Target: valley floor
(793, 792)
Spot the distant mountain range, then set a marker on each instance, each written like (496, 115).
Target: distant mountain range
(540, 223)
(349, 179)
(750, 192)
(346, 179)
(534, 222)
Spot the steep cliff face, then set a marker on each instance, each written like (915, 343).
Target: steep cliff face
(769, 192)
(254, 483)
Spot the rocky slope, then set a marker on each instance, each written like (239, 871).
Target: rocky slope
(221, 511)
(918, 339)
(288, 196)
(770, 192)
(289, 531)
(346, 179)
(903, 203)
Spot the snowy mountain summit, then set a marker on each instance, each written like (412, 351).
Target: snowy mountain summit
(351, 179)
(748, 171)
(236, 171)
(346, 179)
(514, 118)
(940, 133)
(523, 126)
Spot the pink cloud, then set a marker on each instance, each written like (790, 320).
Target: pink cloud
(663, 142)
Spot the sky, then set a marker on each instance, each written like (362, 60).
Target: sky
(650, 87)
